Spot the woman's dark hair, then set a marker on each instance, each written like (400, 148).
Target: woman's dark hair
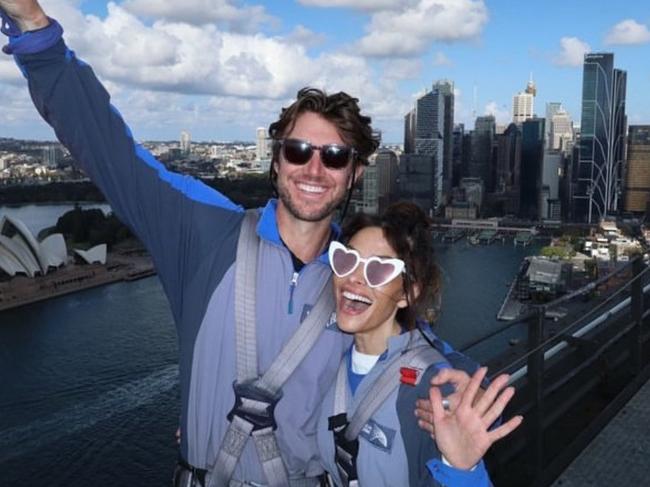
(340, 109)
(408, 231)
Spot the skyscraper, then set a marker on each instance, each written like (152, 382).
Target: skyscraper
(602, 141)
(261, 148)
(409, 132)
(423, 137)
(523, 103)
(637, 180)
(446, 89)
(185, 143)
(551, 109)
(560, 131)
(480, 165)
(532, 155)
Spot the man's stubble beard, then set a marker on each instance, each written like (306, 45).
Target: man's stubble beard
(315, 216)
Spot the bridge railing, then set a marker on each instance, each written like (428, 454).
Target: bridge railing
(594, 359)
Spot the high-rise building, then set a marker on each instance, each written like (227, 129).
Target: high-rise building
(480, 165)
(386, 162)
(52, 155)
(446, 89)
(532, 156)
(549, 204)
(551, 109)
(262, 146)
(637, 179)
(409, 132)
(523, 103)
(424, 128)
(185, 143)
(508, 163)
(560, 131)
(457, 155)
(598, 189)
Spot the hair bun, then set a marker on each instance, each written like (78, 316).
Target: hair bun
(407, 216)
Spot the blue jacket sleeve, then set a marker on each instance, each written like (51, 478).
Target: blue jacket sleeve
(448, 476)
(164, 209)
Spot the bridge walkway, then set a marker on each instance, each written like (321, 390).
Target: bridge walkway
(620, 454)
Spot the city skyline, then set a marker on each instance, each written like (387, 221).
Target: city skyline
(151, 56)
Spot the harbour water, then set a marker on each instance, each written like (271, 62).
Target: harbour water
(88, 382)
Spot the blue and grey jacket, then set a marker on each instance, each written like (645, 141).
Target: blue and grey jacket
(393, 449)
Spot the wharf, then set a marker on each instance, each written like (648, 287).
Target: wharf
(21, 290)
(619, 454)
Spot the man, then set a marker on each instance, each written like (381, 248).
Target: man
(321, 144)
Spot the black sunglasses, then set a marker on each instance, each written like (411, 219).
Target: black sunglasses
(298, 151)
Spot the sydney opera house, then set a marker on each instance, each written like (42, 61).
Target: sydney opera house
(22, 254)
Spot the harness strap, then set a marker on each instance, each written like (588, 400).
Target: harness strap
(256, 397)
(419, 357)
(245, 285)
(346, 433)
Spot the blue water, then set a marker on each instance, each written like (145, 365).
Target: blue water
(88, 382)
(89, 389)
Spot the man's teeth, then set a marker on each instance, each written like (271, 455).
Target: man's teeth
(311, 189)
(356, 297)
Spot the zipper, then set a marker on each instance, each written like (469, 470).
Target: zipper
(292, 287)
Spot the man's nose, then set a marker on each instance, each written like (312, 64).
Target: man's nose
(315, 165)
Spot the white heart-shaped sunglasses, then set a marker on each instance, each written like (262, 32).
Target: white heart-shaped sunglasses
(377, 271)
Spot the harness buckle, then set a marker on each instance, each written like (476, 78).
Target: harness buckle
(254, 405)
(346, 451)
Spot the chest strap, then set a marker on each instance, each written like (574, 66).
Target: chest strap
(346, 432)
(256, 396)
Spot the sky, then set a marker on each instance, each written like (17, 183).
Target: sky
(221, 68)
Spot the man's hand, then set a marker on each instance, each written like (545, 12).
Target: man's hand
(462, 430)
(27, 14)
(460, 380)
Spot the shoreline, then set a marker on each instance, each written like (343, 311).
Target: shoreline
(124, 266)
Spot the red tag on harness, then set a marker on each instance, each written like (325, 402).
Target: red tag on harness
(408, 375)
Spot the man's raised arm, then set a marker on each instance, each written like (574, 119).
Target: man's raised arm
(27, 14)
(161, 207)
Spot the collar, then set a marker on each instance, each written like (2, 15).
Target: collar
(267, 228)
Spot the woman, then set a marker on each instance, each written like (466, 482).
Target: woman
(384, 273)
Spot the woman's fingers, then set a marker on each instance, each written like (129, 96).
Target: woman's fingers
(437, 406)
(467, 398)
(505, 429)
(496, 409)
(458, 378)
(486, 400)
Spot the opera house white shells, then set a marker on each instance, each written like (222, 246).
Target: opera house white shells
(21, 253)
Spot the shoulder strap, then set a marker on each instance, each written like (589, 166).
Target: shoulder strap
(419, 357)
(245, 285)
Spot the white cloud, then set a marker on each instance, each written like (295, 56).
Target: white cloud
(411, 30)
(628, 32)
(154, 70)
(9, 73)
(401, 68)
(183, 58)
(305, 37)
(201, 12)
(370, 5)
(501, 113)
(572, 52)
(440, 59)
